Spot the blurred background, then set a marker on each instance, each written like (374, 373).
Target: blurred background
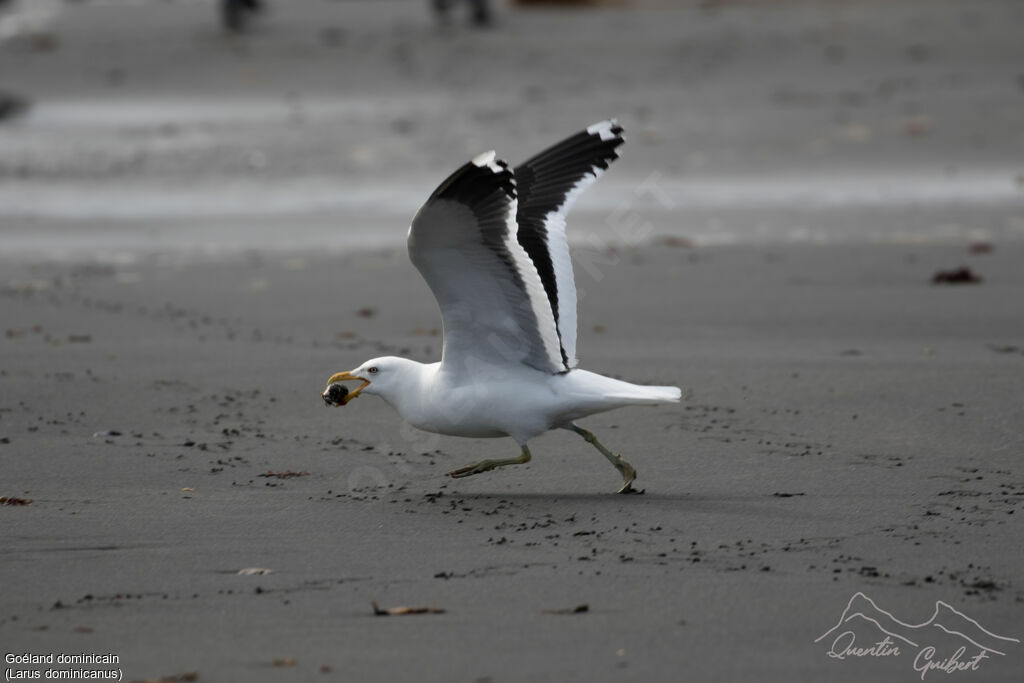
(218, 126)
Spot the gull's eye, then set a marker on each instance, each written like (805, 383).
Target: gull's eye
(372, 371)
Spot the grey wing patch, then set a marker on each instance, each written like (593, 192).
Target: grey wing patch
(493, 304)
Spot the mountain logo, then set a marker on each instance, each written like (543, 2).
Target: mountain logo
(949, 641)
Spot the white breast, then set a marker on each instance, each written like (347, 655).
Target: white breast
(512, 401)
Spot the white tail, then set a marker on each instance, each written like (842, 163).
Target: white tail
(642, 395)
(604, 393)
(627, 393)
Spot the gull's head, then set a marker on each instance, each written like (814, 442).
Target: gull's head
(381, 376)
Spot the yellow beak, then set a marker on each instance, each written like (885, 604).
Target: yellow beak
(341, 377)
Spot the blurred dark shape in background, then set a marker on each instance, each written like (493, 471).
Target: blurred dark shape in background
(236, 14)
(479, 11)
(11, 105)
(569, 2)
(806, 120)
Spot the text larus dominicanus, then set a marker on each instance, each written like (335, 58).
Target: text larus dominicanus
(491, 244)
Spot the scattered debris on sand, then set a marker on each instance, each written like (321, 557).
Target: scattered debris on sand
(578, 609)
(1006, 348)
(284, 474)
(958, 276)
(254, 571)
(173, 678)
(402, 611)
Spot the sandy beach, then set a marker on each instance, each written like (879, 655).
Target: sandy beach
(847, 427)
(177, 495)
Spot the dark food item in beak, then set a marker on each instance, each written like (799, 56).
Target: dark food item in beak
(335, 394)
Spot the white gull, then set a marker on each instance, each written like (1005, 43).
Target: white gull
(491, 244)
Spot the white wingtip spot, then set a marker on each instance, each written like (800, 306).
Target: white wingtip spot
(486, 159)
(604, 129)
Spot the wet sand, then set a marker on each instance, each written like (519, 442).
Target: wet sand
(197, 230)
(847, 426)
(783, 121)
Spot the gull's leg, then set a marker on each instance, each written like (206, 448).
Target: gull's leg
(488, 465)
(627, 471)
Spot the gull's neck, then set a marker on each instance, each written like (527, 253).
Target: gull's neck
(410, 392)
